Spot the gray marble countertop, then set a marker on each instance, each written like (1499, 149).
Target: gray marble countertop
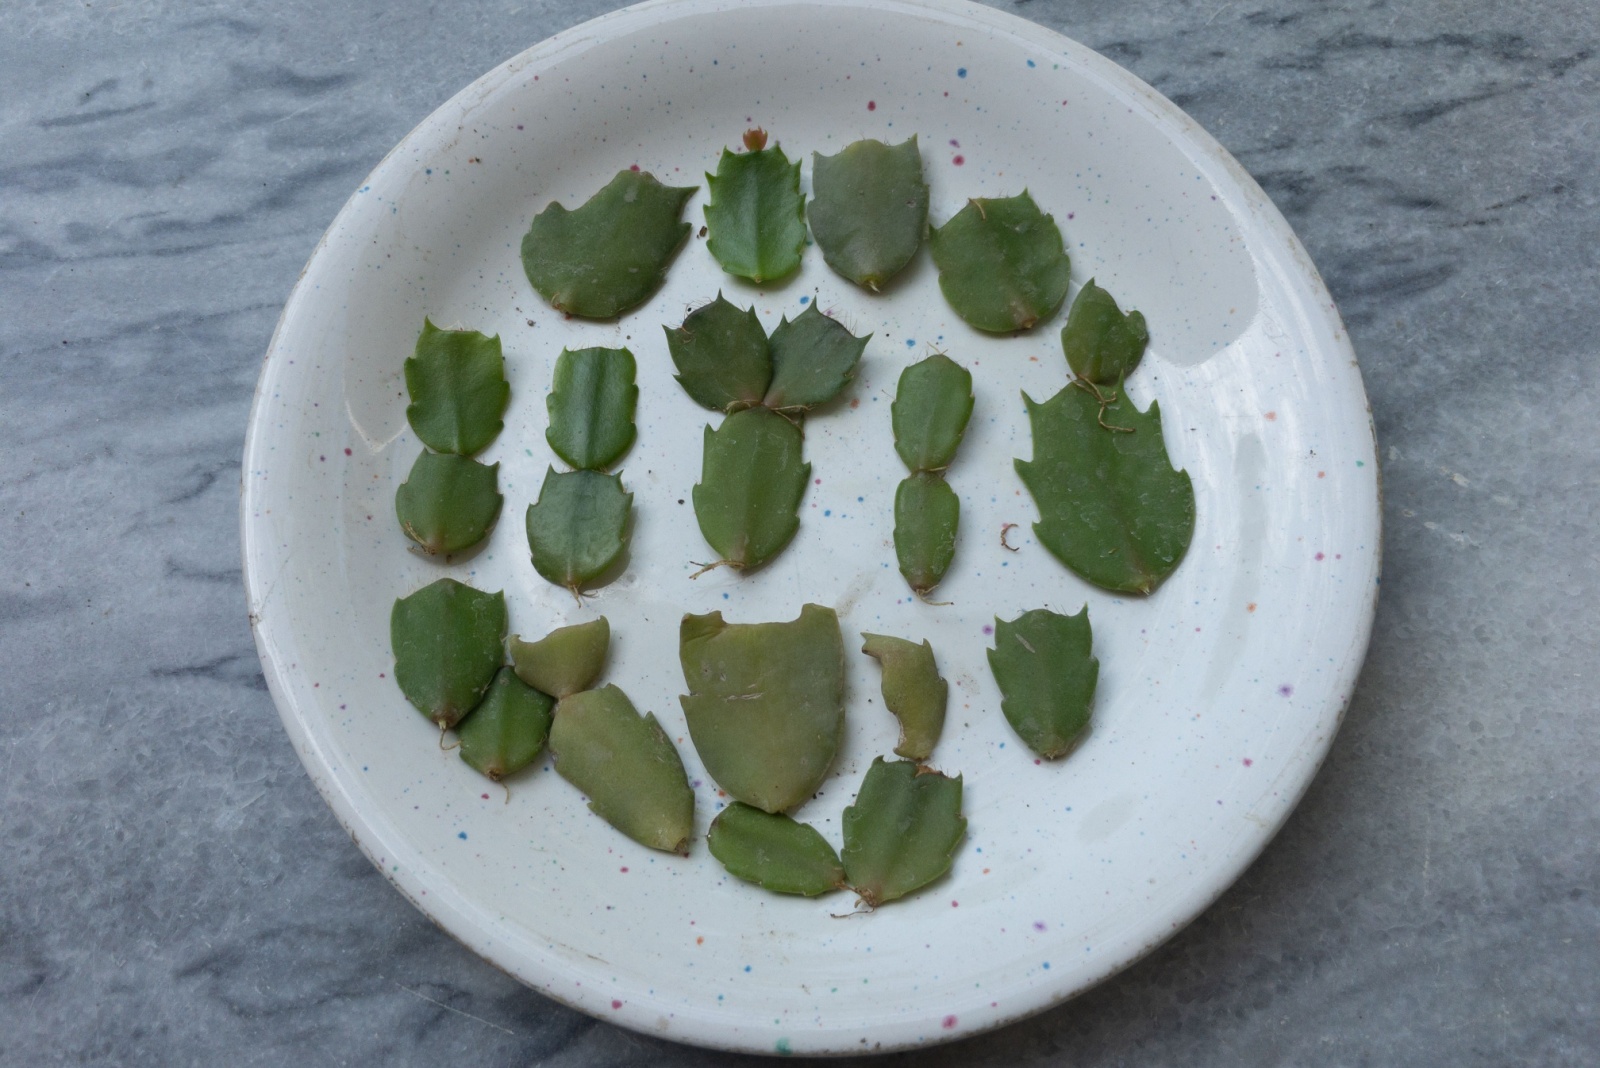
(174, 891)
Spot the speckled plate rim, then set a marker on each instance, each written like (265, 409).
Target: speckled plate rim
(1275, 247)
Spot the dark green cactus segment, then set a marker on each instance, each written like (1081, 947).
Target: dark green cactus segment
(1111, 506)
(1002, 264)
(627, 767)
(448, 503)
(458, 388)
(756, 217)
(813, 359)
(1042, 662)
(912, 690)
(507, 731)
(926, 515)
(774, 851)
(448, 641)
(1101, 343)
(722, 357)
(566, 661)
(609, 255)
(577, 529)
(591, 406)
(766, 702)
(751, 480)
(932, 404)
(869, 208)
(902, 832)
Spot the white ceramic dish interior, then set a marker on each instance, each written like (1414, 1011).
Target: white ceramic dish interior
(1219, 695)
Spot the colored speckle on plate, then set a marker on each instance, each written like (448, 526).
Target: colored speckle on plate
(948, 1022)
(1248, 762)
(961, 72)
(615, 1004)
(1319, 556)
(1286, 690)
(988, 628)
(782, 1046)
(959, 160)
(461, 835)
(805, 300)
(872, 105)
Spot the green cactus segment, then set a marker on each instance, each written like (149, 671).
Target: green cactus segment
(448, 641)
(932, 404)
(627, 767)
(448, 502)
(751, 482)
(609, 255)
(766, 702)
(722, 356)
(869, 208)
(756, 217)
(591, 406)
(774, 851)
(1041, 661)
(577, 529)
(926, 515)
(1111, 506)
(507, 731)
(1101, 343)
(1002, 265)
(566, 661)
(912, 690)
(813, 359)
(458, 388)
(902, 832)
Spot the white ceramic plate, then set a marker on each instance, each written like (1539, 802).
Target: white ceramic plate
(1219, 695)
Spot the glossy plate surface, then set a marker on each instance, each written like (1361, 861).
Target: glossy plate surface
(1219, 695)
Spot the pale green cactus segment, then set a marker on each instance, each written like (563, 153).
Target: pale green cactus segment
(611, 254)
(507, 731)
(869, 209)
(912, 690)
(627, 767)
(722, 356)
(813, 359)
(566, 661)
(926, 515)
(448, 503)
(756, 217)
(766, 703)
(591, 405)
(932, 404)
(578, 528)
(774, 851)
(902, 832)
(457, 383)
(448, 641)
(1111, 506)
(751, 480)
(1002, 264)
(1042, 663)
(1100, 343)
